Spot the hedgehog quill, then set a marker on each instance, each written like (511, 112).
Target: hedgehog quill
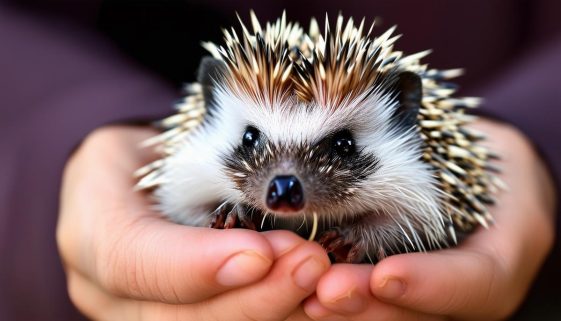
(334, 135)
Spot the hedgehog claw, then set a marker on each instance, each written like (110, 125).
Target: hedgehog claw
(341, 246)
(219, 217)
(228, 217)
(328, 236)
(335, 245)
(231, 220)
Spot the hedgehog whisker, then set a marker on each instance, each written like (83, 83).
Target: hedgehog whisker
(302, 224)
(263, 220)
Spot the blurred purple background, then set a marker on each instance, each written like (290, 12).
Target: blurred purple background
(67, 67)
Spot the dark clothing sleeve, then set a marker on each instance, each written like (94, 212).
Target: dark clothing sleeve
(56, 85)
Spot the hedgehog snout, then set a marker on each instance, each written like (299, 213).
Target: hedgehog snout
(285, 194)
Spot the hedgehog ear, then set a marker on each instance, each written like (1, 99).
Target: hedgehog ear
(210, 71)
(410, 89)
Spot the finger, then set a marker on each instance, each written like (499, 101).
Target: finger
(277, 297)
(375, 311)
(343, 293)
(451, 282)
(294, 276)
(345, 288)
(99, 305)
(158, 260)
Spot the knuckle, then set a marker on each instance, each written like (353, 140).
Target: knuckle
(495, 266)
(477, 292)
(544, 240)
(455, 299)
(99, 142)
(76, 292)
(100, 136)
(490, 291)
(94, 144)
(63, 240)
(547, 236)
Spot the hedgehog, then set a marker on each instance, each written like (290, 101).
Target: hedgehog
(335, 136)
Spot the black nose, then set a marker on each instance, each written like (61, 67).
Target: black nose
(285, 194)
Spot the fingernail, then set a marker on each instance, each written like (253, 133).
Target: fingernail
(350, 301)
(391, 288)
(307, 274)
(243, 268)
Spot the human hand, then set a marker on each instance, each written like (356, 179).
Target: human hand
(485, 278)
(125, 262)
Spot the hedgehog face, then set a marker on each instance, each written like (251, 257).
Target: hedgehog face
(295, 159)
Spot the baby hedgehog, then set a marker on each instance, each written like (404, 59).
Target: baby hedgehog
(334, 136)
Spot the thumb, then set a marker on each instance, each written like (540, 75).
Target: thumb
(156, 260)
(451, 282)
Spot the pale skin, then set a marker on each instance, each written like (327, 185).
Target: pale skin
(125, 262)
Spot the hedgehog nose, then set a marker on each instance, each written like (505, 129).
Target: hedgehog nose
(285, 193)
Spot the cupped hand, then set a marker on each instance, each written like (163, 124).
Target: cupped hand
(125, 262)
(485, 278)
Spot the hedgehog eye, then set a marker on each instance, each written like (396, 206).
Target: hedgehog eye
(344, 144)
(250, 137)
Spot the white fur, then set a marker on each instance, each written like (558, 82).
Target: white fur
(194, 176)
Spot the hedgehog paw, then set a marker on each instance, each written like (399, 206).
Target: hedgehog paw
(227, 216)
(222, 217)
(342, 247)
